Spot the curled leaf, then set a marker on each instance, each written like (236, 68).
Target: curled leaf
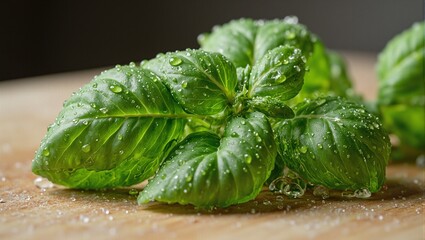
(206, 171)
(245, 41)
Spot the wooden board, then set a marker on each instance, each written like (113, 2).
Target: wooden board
(27, 106)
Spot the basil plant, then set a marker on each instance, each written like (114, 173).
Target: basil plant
(208, 126)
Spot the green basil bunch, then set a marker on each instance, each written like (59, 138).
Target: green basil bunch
(208, 127)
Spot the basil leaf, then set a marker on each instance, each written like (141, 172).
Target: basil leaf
(203, 83)
(401, 68)
(246, 41)
(327, 75)
(206, 171)
(277, 33)
(235, 40)
(335, 143)
(401, 86)
(407, 122)
(113, 132)
(279, 74)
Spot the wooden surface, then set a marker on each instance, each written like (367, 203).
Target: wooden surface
(27, 106)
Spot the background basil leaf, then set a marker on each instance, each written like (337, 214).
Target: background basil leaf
(401, 89)
(327, 75)
(112, 132)
(235, 40)
(400, 68)
(335, 143)
(207, 171)
(245, 41)
(203, 83)
(279, 74)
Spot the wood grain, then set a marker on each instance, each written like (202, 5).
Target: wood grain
(27, 106)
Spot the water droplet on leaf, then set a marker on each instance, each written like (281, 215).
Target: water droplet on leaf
(45, 152)
(303, 149)
(175, 61)
(115, 88)
(86, 148)
(248, 158)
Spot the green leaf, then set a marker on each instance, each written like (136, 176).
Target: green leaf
(401, 68)
(235, 40)
(336, 144)
(279, 74)
(401, 88)
(277, 33)
(407, 122)
(207, 171)
(203, 83)
(112, 132)
(245, 41)
(327, 75)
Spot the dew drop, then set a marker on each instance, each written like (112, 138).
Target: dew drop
(133, 192)
(234, 134)
(362, 193)
(45, 152)
(303, 149)
(115, 88)
(103, 110)
(86, 148)
(289, 35)
(248, 158)
(43, 183)
(184, 85)
(280, 78)
(175, 61)
(321, 191)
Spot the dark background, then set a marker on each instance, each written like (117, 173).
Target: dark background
(41, 37)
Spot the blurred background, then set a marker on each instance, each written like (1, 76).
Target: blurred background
(41, 37)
